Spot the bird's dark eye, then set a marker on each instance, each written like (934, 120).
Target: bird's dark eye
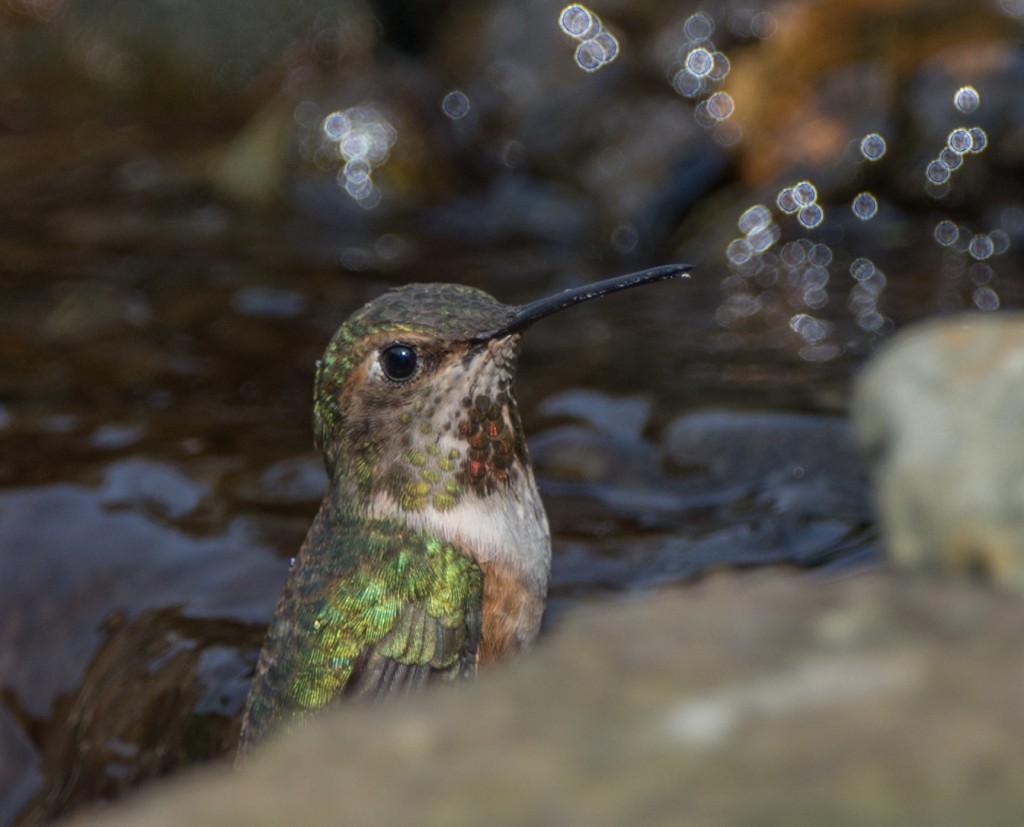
(398, 362)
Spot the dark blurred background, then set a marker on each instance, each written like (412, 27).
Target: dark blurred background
(194, 194)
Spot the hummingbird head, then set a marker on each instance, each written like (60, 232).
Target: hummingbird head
(411, 406)
(414, 402)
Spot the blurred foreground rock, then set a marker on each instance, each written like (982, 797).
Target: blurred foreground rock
(941, 411)
(753, 699)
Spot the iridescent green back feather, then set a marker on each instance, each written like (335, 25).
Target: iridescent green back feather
(381, 612)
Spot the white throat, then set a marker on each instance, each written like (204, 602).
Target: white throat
(507, 528)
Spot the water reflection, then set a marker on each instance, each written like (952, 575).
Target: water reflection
(363, 137)
(960, 141)
(872, 146)
(698, 71)
(864, 206)
(455, 105)
(966, 99)
(869, 282)
(802, 199)
(597, 46)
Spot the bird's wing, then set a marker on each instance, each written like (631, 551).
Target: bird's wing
(403, 612)
(419, 648)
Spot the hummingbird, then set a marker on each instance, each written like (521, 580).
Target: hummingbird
(430, 555)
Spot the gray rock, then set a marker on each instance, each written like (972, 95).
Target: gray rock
(940, 411)
(753, 700)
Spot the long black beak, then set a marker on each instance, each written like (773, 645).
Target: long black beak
(526, 314)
